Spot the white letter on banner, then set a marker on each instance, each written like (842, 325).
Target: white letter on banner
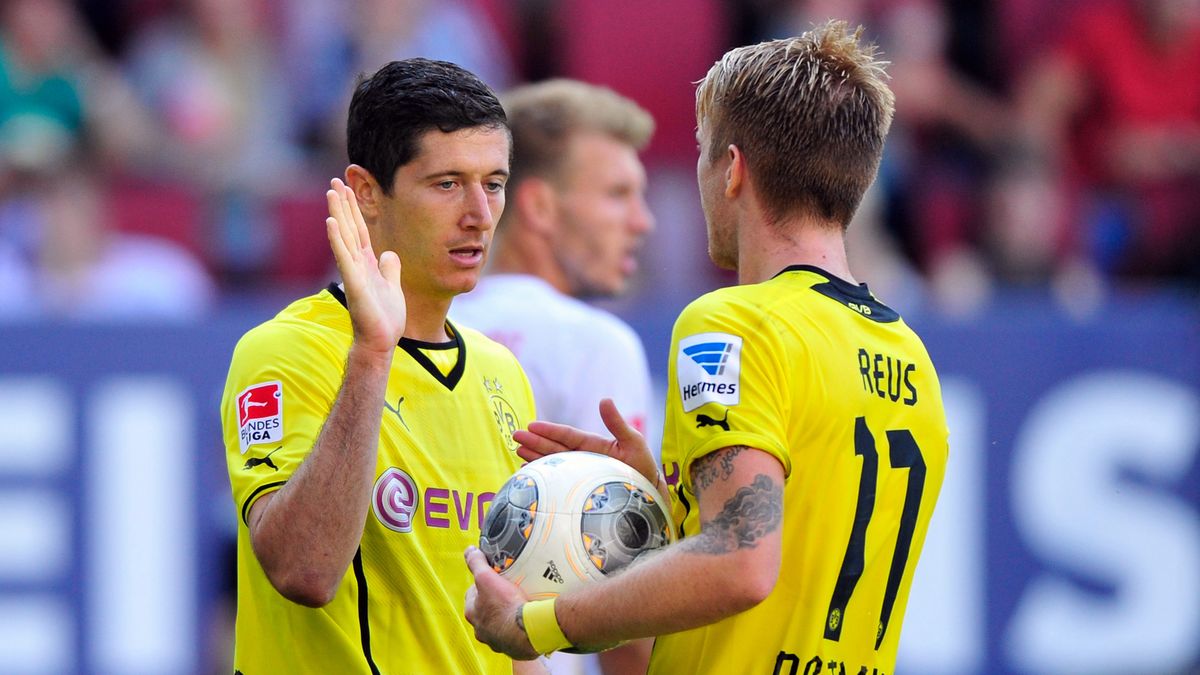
(1084, 474)
(141, 522)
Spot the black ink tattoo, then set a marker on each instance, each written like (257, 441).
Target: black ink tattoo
(751, 514)
(715, 466)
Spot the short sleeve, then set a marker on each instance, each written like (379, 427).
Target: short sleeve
(280, 388)
(725, 385)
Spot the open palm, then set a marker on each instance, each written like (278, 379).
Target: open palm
(373, 293)
(627, 444)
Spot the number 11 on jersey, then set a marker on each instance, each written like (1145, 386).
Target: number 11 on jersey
(903, 453)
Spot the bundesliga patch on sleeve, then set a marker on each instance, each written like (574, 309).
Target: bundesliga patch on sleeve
(708, 367)
(260, 414)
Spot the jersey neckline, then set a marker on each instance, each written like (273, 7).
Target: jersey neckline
(855, 296)
(414, 347)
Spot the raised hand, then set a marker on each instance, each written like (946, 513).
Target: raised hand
(627, 444)
(373, 293)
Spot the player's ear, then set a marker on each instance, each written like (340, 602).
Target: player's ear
(366, 189)
(537, 204)
(736, 173)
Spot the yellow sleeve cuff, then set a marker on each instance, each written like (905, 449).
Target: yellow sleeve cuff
(541, 625)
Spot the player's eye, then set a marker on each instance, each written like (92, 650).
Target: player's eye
(446, 185)
(495, 186)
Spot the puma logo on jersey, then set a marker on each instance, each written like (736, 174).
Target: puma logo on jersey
(703, 420)
(396, 410)
(266, 459)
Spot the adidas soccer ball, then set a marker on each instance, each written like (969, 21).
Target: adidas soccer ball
(570, 518)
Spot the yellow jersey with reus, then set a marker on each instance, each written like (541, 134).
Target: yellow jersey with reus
(820, 374)
(445, 447)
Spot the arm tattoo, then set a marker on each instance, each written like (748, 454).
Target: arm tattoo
(715, 466)
(751, 514)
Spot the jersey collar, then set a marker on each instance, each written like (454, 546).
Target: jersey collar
(847, 294)
(414, 348)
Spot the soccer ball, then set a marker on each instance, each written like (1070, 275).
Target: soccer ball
(570, 518)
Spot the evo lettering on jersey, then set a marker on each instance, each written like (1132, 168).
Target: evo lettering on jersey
(260, 414)
(398, 503)
(708, 368)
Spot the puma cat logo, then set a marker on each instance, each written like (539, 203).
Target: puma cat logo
(703, 420)
(396, 410)
(255, 461)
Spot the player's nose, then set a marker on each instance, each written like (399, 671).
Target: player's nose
(478, 209)
(642, 219)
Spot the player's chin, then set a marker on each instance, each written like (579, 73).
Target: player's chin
(463, 281)
(608, 286)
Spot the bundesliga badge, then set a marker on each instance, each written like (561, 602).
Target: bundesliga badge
(260, 414)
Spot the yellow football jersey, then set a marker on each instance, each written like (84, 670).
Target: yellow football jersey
(445, 448)
(817, 372)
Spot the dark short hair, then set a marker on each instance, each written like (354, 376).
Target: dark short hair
(393, 108)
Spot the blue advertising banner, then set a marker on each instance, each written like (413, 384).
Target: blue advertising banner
(1067, 538)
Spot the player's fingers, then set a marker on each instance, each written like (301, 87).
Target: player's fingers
(476, 561)
(340, 208)
(389, 267)
(341, 255)
(533, 440)
(334, 200)
(569, 437)
(357, 216)
(528, 454)
(469, 605)
(616, 424)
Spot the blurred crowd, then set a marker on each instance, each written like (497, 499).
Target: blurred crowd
(159, 156)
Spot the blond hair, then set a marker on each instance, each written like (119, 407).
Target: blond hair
(544, 116)
(809, 113)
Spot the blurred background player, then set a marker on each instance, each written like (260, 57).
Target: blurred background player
(804, 417)
(571, 231)
(348, 413)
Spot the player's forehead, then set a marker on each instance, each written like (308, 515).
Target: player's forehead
(483, 150)
(594, 154)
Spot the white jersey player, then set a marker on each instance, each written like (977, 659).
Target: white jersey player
(575, 217)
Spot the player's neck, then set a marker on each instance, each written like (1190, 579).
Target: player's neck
(765, 248)
(426, 321)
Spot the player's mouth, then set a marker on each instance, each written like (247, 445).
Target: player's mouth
(468, 256)
(629, 262)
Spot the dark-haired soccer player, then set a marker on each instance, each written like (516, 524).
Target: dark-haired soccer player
(386, 426)
(804, 418)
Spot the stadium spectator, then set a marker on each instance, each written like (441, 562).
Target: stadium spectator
(67, 121)
(448, 30)
(1111, 114)
(378, 31)
(78, 266)
(59, 95)
(574, 223)
(360, 426)
(779, 405)
(208, 73)
(950, 120)
(41, 107)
